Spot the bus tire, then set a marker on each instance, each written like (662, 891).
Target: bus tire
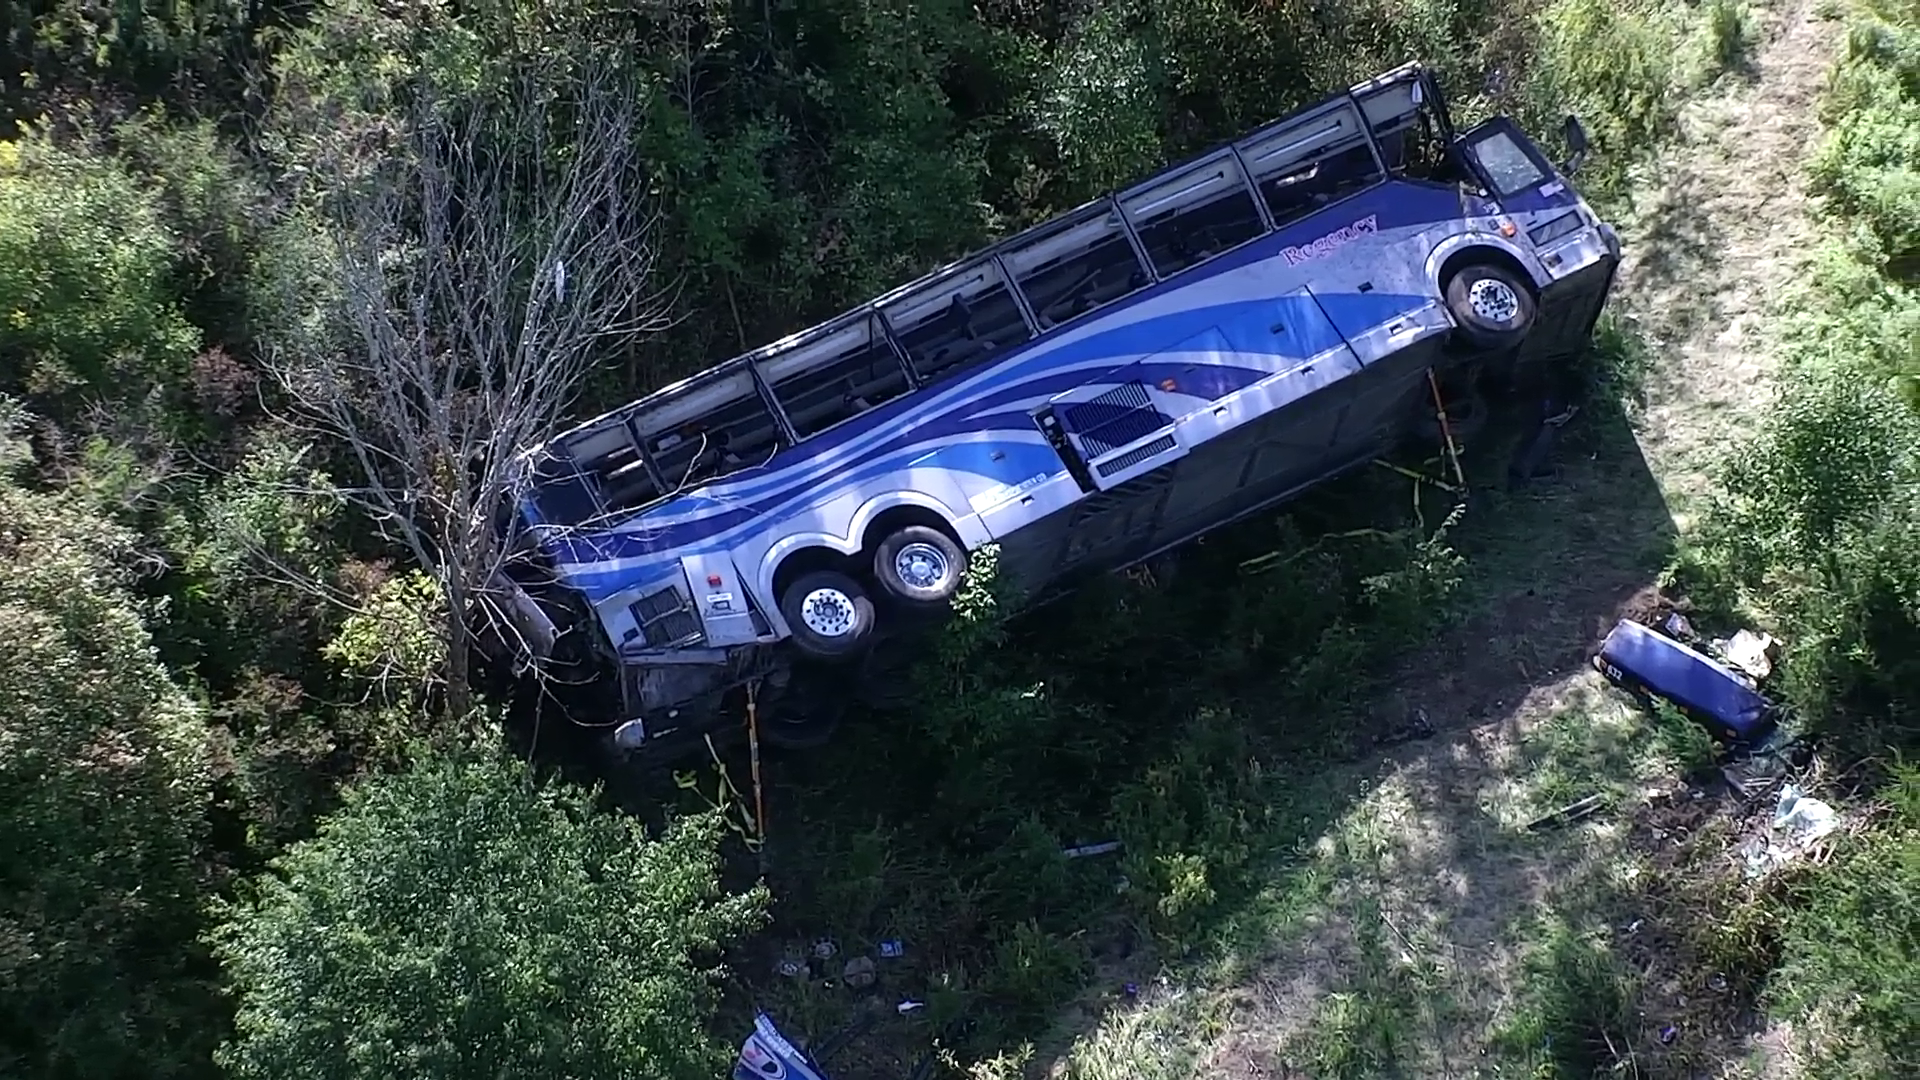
(1492, 309)
(830, 615)
(919, 568)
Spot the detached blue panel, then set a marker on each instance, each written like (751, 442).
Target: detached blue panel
(1685, 677)
(767, 1055)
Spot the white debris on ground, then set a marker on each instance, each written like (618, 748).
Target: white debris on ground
(1749, 651)
(1799, 822)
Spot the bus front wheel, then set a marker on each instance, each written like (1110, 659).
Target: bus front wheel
(830, 614)
(1491, 307)
(919, 567)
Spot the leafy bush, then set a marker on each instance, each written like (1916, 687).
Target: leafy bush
(395, 641)
(1101, 103)
(86, 268)
(1869, 163)
(103, 797)
(460, 919)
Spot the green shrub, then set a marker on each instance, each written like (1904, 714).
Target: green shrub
(460, 919)
(1821, 511)
(104, 791)
(86, 280)
(1869, 162)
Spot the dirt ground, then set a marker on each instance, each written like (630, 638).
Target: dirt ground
(1438, 855)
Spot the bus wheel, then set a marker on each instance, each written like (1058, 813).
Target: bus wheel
(919, 567)
(830, 615)
(1493, 309)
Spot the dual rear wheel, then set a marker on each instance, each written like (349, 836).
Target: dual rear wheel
(834, 614)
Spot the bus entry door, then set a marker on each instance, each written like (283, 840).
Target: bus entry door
(1112, 430)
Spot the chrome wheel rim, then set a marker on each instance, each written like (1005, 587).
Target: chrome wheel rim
(922, 566)
(828, 612)
(1493, 301)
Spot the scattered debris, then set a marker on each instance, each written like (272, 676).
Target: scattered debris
(1677, 626)
(1418, 726)
(1091, 849)
(1805, 819)
(1802, 820)
(859, 972)
(1668, 1034)
(824, 949)
(1749, 651)
(1771, 760)
(1567, 814)
(1530, 461)
(768, 1053)
(792, 963)
(893, 949)
(1641, 659)
(908, 1006)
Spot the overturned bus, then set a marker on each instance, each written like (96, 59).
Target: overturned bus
(1086, 394)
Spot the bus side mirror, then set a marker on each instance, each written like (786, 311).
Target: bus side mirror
(1576, 146)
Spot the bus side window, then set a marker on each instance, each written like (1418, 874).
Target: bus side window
(714, 428)
(962, 319)
(1392, 109)
(609, 458)
(836, 377)
(1311, 162)
(559, 492)
(1194, 214)
(1080, 265)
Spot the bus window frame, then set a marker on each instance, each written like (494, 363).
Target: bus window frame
(878, 333)
(884, 311)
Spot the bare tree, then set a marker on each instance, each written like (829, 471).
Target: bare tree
(477, 252)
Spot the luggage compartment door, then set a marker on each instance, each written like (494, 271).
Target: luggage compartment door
(720, 597)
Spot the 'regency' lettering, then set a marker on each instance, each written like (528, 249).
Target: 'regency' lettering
(1345, 234)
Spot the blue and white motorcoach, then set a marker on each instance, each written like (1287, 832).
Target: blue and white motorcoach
(1085, 395)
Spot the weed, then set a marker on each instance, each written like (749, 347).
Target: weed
(1575, 1015)
(1682, 740)
(1365, 1030)
(1620, 361)
(1726, 35)
(1153, 1040)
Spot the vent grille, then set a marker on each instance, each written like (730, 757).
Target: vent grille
(1137, 455)
(666, 619)
(1114, 419)
(655, 604)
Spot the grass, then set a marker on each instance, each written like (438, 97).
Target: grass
(1574, 1012)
